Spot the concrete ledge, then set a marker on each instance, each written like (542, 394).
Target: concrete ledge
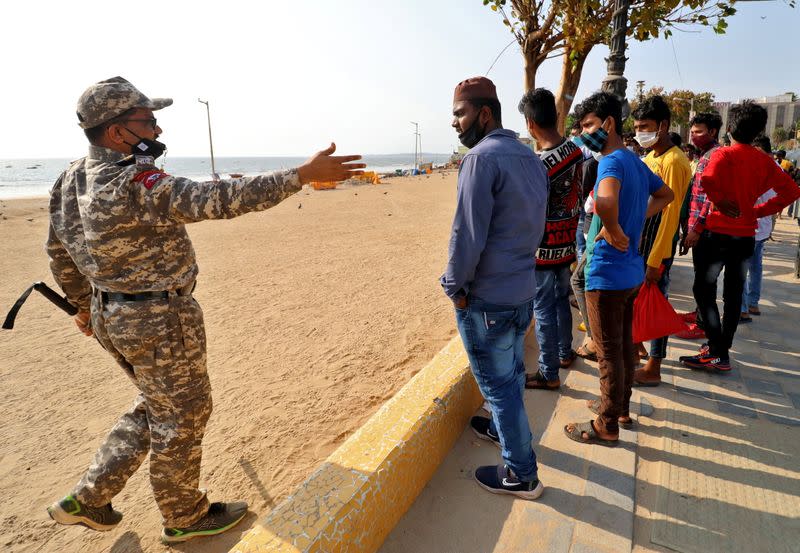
(362, 490)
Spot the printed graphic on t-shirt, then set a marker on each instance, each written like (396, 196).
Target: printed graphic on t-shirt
(563, 165)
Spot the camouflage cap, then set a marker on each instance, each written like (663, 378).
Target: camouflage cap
(107, 99)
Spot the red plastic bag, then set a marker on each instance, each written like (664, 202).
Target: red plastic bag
(653, 315)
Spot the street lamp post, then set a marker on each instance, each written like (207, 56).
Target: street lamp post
(214, 175)
(416, 142)
(615, 82)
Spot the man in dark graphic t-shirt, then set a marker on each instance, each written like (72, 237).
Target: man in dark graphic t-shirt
(563, 160)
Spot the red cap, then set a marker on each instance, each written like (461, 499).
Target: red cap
(474, 88)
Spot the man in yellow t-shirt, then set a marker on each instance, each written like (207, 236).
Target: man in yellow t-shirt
(657, 247)
(786, 165)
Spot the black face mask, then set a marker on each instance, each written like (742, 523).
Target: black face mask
(473, 134)
(146, 146)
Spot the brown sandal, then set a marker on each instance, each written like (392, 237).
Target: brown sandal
(580, 428)
(537, 381)
(594, 407)
(584, 353)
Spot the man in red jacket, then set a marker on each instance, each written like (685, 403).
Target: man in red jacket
(733, 180)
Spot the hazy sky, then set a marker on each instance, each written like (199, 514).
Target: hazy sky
(286, 78)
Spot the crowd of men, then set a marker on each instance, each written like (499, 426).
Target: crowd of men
(599, 217)
(586, 215)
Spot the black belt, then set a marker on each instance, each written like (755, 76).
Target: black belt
(145, 296)
(140, 296)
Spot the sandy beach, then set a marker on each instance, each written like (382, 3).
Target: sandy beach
(317, 311)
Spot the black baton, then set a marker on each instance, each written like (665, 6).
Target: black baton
(59, 301)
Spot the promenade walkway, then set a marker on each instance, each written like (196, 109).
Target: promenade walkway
(712, 464)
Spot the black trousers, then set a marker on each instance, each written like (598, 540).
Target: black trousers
(713, 253)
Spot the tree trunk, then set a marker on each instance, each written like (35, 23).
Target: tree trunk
(530, 70)
(568, 87)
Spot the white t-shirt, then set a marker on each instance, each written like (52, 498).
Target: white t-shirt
(764, 228)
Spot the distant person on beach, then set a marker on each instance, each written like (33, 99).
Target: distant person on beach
(491, 279)
(651, 121)
(553, 313)
(119, 250)
(625, 194)
(733, 180)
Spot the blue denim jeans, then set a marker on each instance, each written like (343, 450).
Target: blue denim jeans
(658, 347)
(751, 294)
(553, 319)
(493, 337)
(580, 238)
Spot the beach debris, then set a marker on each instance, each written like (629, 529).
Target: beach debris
(29, 220)
(299, 206)
(355, 193)
(385, 193)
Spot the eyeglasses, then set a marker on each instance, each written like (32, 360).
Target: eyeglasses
(152, 121)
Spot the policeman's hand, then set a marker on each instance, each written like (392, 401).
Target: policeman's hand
(617, 238)
(323, 166)
(728, 207)
(652, 275)
(460, 302)
(83, 321)
(691, 239)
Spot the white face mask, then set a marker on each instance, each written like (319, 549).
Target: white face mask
(646, 139)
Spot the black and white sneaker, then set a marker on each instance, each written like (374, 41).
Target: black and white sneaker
(480, 426)
(501, 479)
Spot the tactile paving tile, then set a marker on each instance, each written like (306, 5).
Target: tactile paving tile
(727, 486)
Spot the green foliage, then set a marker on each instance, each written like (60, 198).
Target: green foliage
(779, 136)
(680, 103)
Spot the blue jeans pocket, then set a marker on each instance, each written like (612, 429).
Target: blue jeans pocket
(500, 330)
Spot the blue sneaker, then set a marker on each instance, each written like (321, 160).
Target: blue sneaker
(480, 426)
(502, 480)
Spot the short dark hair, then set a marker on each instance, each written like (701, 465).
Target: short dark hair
(746, 121)
(603, 105)
(494, 107)
(539, 105)
(763, 142)
(576, 124)
(676, 139)
(710, 119)
(653, 108)
(95, 134)
(781, 154)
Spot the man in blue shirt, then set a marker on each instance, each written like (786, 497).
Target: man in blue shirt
(625, 194)
(490, 276)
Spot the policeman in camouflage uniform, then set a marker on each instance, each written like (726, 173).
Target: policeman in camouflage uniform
(119, 250)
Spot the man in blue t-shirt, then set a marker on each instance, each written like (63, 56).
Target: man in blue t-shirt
(625, 194)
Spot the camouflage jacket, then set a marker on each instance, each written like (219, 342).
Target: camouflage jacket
(121, 229)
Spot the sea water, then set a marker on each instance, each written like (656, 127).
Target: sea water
(23, 178)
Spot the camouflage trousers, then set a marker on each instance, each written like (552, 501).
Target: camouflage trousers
(161, 344)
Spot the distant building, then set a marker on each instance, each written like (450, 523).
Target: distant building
(781, 111)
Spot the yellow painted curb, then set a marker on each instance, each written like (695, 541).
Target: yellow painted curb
(362, 490)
